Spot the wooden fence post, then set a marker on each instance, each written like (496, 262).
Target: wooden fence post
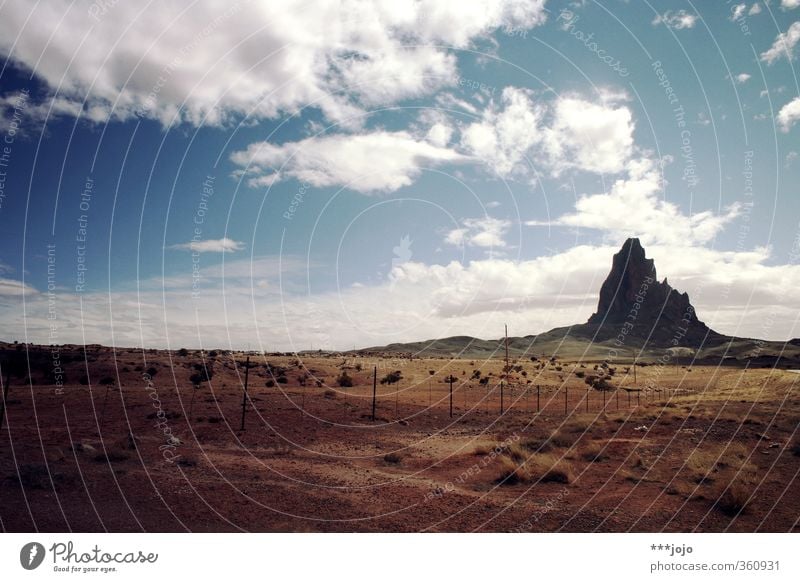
(244, 394)
(501, 398)
(566, 397)
(5, 393)
(538, 409)
(374, 389)
(451, 395)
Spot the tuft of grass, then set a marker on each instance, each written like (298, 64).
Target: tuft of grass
(594, 453)
(734, 498)
(510, 472)
(330, 394)
(550, 468)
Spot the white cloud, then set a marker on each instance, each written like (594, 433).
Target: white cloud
(791, 157)
(788, 115)
(678, 20)
(570, 133)
(258, 58)
(486, 232)
(742, 78)
(783, 46)
(738, 11)
(13, 288)
(634, 206)
(755, 9)
(506, 132)
(371, 162)
(790, 4)
(734, 292)
(588, 136)
(222, 245)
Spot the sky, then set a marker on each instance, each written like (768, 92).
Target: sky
(332, 174)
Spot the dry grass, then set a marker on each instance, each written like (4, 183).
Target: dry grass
(707, 464)
(594, 452)
(549, 467)
(734, 497)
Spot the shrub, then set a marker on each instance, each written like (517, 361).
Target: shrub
(330, 394)
(392, 377)
(269, 383)
(580, 374)
(549, 467)
(282, 380)
(107, 381)
(393, 458)
(734, 498)
(183, 352)
(345, 381)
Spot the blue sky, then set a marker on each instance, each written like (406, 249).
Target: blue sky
(331, 174)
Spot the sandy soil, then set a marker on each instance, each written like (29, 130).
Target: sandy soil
(701, 449)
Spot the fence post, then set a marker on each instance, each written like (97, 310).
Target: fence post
(5, 393)
(566, 397)
(374, 389)
(451, 395)
(244, 394)
(587, 399)
(629, 398)
(501, 397)
(537, 399)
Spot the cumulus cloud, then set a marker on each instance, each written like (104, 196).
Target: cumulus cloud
(742, 78)
(380, 161)
(506, 131)
(789, 4)
(788, 115)
(634, 207)
(678, 19)
(568, 133)
(755, 9)
(247, 58)
(222, 245)
(486, 232)
(783, 46)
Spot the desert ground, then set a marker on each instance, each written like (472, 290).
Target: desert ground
(145, 440)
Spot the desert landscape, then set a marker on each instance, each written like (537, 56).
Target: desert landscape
(574, 430)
